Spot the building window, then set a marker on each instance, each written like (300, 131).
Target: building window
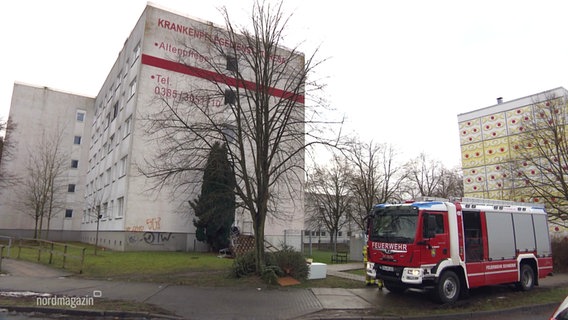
(127, 127)
(132, 87)
(136, 52)
(68, 213)
(70, 187)
(232, 63)
(115, 110)
(110, 143)
(120, 207)
(80, 116)
(122, 167)
(75, 164)
(230, 97)
(77, 140)
(107, 177)
(104, 213)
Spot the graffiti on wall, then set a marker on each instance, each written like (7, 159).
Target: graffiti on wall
(151, 238)
(152, 224)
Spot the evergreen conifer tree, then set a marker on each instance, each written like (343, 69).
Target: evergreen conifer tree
(215, 206)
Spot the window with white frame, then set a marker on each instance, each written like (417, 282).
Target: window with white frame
(132, 88)
(122, 167)
(80, 116)
(136, 51)
(104, 211)
(127, 127)
(120, 207)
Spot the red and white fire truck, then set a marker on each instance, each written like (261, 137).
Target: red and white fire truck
(452, 246)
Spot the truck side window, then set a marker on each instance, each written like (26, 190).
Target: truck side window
(439, 224)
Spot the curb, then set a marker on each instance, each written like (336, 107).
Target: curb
(363, 314)
(89, 313)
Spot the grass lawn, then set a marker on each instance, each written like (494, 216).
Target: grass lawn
(190, 268)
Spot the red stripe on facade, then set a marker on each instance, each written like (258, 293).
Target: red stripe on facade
(213, 76)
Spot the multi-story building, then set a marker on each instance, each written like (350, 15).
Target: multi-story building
(496, 140)
(115, 204)
(490, 138)
(46, 118)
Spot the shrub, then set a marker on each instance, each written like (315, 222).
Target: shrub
(292, 263)
(270, 274)
(244, 265)
(560, 254)
(284, 262)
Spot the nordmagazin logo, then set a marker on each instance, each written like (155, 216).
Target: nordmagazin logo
(66, 301)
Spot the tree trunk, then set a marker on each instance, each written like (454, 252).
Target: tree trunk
(258, 225)
(47, 227)
(36, 225)
(40, 225)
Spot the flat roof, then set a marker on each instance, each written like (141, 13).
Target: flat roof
(512, 104)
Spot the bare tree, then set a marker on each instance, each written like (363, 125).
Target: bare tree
(41, 191)
(97, 208)
(425, 175)
(450, 184)
(6, 154)
(539, 157)
(262, 117)
(376, 177)
(329, 196)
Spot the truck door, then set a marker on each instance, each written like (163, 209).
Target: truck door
(436, 237)
(474, 247)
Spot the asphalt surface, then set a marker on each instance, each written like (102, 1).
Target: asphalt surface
(218, 303)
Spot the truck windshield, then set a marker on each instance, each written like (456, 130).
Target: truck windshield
(396, 224)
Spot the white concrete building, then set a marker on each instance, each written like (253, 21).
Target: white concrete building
(42, 114)
(114, 144)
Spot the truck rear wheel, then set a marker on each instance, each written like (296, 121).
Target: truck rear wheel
(526, 282)
(448, 288)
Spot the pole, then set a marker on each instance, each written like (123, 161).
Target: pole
(97, 233)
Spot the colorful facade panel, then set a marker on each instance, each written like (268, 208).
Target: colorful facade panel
(472, 155)
(470, 131)
(494, 126)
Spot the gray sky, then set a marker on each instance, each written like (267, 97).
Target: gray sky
(401, 71)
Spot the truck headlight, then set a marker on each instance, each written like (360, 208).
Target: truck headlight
(413, 272)
(412, 275)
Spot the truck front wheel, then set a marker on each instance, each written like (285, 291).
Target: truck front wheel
(448, 288)
(526, 282)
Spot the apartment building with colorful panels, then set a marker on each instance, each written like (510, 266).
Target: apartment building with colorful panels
(489, 138)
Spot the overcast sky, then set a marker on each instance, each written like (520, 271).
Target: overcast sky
(401, 71)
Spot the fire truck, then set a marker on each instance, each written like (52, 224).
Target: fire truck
(447, 246)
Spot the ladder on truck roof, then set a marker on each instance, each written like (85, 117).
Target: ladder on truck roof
(499, 204)
(470, 202)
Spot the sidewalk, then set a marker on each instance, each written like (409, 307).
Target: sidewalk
(220, 303)
(190, 302)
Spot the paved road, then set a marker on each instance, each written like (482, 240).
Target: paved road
(225, 303)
